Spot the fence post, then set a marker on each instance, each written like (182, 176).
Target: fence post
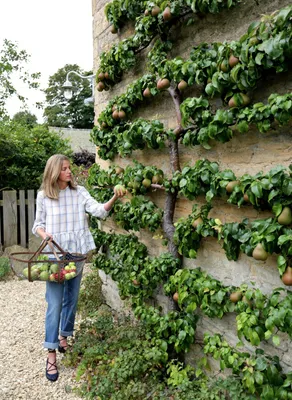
(10, 218)
(30, 210)
(22, 223)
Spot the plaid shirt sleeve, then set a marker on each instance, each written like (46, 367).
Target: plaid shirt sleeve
(40, 219)
(91, 205)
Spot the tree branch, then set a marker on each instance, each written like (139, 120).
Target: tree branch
(176, 98)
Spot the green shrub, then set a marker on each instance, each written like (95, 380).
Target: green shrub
(25, 153)
(4, 267)
(90, 297)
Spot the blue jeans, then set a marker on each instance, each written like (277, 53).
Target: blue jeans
(62, 301)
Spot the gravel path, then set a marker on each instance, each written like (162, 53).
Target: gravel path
(22, 357)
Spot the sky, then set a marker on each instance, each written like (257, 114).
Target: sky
(54, 33)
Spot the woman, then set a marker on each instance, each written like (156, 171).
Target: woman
(61, 209)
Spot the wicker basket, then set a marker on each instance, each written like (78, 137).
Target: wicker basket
(55, 266)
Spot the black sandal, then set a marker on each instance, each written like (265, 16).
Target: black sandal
(49, 367)
(62, 349)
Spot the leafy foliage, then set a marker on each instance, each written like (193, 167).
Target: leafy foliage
(90, 296)
(25, 118)
(25, 152)
(12, 64)
(71, 113)
(260, 374)
(138, 275)
(121, 57)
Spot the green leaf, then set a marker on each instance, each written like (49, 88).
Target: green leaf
(276, 340)
(242, 126)
(256, 189)
(183, 182)
(259, 377)
(182, 335)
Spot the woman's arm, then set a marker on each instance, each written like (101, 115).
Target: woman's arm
(99, 210)
(117, 194)
(43, 234)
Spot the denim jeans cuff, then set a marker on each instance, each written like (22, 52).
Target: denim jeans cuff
(48, 345)
(64, 333)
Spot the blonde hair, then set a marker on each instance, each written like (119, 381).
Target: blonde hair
(51, 174)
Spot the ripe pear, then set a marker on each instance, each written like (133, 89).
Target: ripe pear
(155, 11)
(158, 179)
(115, 114)
(235, 297)
(113, 29)
(175, 297)
(259, 253)
(146, 183)
(233, 61)
(100, 86)
(119, 170)
(197, 222)
(182, 85)
(147, 93)
(245, 198)
(122, 114)
(287, 277)
(163, 84)
(231, 185)
(224, 66)
(285, 218)
(239, 100)
(167, 14)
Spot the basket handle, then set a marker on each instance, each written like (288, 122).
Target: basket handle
(51, 244)
(56, 245)
(39, 250)
(53, 249)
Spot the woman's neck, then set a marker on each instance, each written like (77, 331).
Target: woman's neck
(63, 185)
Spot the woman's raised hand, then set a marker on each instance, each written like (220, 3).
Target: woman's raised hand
(120, 191)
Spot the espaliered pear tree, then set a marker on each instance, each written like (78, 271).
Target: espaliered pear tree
(231, 71)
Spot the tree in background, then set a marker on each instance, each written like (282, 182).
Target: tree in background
(24, 152)
(12, 64)
(25, 118)
(71, 113)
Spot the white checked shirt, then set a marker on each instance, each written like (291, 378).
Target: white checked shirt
(66, 219)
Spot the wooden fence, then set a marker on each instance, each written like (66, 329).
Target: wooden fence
(17, 213)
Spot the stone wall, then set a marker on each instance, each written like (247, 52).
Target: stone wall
(248, 153)
(78, 138)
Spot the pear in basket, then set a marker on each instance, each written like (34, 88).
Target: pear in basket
(44, 276)
(34, 275)
(54, 268)
(72, 265)
(25, 272)
(44, 267)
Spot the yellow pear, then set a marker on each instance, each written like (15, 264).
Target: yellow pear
(285, 218)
